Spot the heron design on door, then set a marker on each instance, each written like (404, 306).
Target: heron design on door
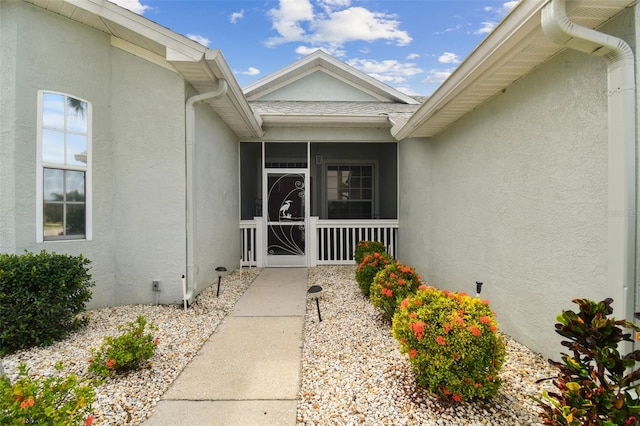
(286, 217)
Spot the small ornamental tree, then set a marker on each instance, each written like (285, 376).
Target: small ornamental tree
(452, 343)
(393, 284)
(366, 247)
(596, 384)
(369, 267)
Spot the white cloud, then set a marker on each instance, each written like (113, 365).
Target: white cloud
(505, 8)
(499, 12)
(251, 71)
(200, 39)
(449, 58)
(412, 56)
(133, 5)
(336, 24)
(358, 23)
(388, 71)
(236, 16)
(486, 27)
(437, 76)
(286, 20)
(331, 50)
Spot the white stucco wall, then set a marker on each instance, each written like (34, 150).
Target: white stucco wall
(148, 174)
(8, 47)
(216, 198)
(515, 195)
(138, 153)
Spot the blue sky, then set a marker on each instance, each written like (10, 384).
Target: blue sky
(410, 45)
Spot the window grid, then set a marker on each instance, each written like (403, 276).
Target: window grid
(64, 157)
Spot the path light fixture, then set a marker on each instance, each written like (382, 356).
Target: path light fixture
(220, 269)
(315, 291)
(478, 288)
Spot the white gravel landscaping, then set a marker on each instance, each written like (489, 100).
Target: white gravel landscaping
(352, 370)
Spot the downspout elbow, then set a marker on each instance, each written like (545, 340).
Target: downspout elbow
(190, 127)
(621, 139)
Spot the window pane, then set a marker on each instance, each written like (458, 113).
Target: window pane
(76, 150)
(76, 115)
(75, 185)
(53, 110)
(75, 219)
(53, 146)
(367, 182)
(53, 185)
(53, 219)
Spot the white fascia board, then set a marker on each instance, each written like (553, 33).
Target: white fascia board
(338, 120)
(143, 26)
(504, 39)
(219, 67)
(312, 62)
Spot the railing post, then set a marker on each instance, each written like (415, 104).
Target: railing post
(312, 246)
(259, 242)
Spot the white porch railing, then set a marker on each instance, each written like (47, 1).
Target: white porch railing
(331, 242)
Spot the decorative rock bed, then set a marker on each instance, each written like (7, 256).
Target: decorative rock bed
(352, 371)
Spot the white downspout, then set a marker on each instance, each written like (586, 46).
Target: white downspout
(190, 130)
(622, 152)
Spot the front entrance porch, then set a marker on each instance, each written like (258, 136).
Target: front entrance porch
(308, 204)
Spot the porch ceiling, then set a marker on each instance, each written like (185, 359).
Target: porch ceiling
(199, 66)
(512, 50)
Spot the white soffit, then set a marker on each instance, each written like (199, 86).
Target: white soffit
(513, 49)
(199, 66)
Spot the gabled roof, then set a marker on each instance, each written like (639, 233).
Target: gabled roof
(200, 67)
(515, 47)
(322, 91)
(320, 61)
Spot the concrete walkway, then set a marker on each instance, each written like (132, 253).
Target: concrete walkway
(248, 372)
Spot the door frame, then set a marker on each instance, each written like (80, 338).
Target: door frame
(274, 261)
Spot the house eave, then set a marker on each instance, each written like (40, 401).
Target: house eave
(515, 47)
(199, 66)
(325, 120)
(339, 69)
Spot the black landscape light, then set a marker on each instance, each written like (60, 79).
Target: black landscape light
(315, 291)
(220, 269)
(478, 288)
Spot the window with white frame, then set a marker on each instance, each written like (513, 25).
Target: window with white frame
(64, 158)
(350, 191)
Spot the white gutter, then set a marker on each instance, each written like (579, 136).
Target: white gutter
(190, 128)
(622, 140)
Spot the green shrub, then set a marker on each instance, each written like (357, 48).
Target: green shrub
(452, 343)
(369, 267)
(41, 296)
(365, 247)
(126, 352)
(393, 284)
(596, 385)
(33, 399)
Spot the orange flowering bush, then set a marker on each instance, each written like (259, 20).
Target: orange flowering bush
(369, 267)
(40, 400)
(126, 352)
(365, 247)
(452, 343)
(393, 284)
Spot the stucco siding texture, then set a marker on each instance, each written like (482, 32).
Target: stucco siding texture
(8, 47)
(137, 154)
(515, 195)
(216, 198)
